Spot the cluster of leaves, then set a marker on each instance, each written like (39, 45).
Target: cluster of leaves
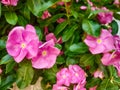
(73, 31)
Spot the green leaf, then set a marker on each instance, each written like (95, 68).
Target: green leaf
(117, 16)
(11, 17)
(2, 44)
(90, 27)
(25, 74)
(6, 59)
(92, 82)
(114, 26)
(7, 82)
(37, 6)
(107, 85)
(60, 60)
(60, 27)
(89, 60)
(66, 0)
(78, 48)
(22, 21)
(39, 32)
(70, 61)
(10, 66)
(68, 33)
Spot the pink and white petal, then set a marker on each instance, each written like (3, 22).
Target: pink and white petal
(13, 49)
(51, 60)
(106, 58)
(21, 56)
(30, 28)
(90, 42)
(53, 50)
(28, 36)
(105, 33)
(39, 62)
(109, 43)
(97, 50)
(15, 36)
(32, 48)
(48, 43)
(51, 36)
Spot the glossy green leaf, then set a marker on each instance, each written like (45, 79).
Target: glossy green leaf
(7, 82)
(36, 6)
(39, 32)
(10, 66)
(70, 61)
(90, 27)
(60, 27)
(2, 44)
(93, 82)
(114, 26)
(25, 74)
(60, 60)
(11, 18)
(6, 59)
(78, 48)
(68, 32)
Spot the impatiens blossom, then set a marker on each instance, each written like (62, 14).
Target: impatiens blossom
(63, 77)
(10, 2)
(46, 15)
(58, 87)
(77, 74)
(103, 43)
(98, 74)
(46, 56)
(83, 7)
(117, 65)
(117, 43)
(79, 86)
(22, 42)
(105, 17)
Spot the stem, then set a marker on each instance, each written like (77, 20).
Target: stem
(67, 10)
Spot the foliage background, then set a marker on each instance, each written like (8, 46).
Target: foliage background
(73, 31)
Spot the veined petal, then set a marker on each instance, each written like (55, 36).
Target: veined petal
(21, 56)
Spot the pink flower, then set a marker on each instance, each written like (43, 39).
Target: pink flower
(83, 7)
(46, 56)
(0, 71)
(117, 43)
(105, 17)
(98, 74)
(110, 59)
(46, 15)
(22, 42)
(63, 77)
(58, 87)
(10, 2)
(79, 86)
(77, 74)
(93, 88)
(60, 3)
(104, 43)
(60, 20)
(116, 2)
(117, 65)
(52, 36)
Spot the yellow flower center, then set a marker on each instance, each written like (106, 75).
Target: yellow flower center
(99, 41)
(44, 53)
(76, 74)
(23, 45)
(64, 76)
(113, 56)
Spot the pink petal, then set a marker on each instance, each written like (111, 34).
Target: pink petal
(105, 33)
(30, 28)
(21, 56)
(51, 36)
(32, 48)
(13, 50)
(106, 58)
(98, 49)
